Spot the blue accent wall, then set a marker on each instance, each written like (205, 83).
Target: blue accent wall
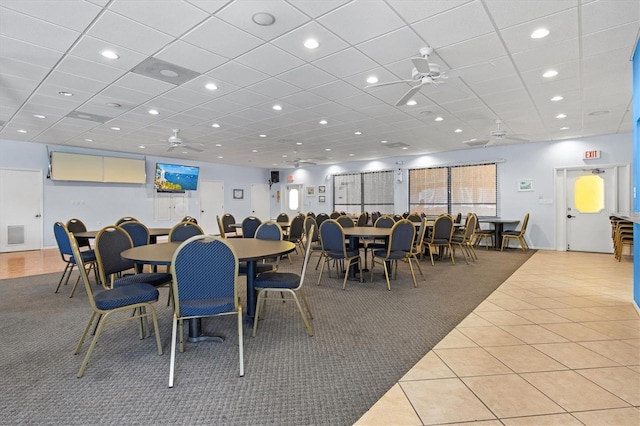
(636, 171)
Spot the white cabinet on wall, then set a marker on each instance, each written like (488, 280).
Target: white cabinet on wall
(170, 206)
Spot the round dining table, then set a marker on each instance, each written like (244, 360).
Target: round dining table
(154, 233)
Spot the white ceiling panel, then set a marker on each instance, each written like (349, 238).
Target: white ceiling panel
(293, 42)
(161, 15)
(345, 63)
(82, 68)
(18, 50)
(222, 39)
(190, 57)
(315, 8)
(237, 74)
(598, 15)
(270, 60)
(307, 76)
(210, 6)
(394, 46)
(416, 10)
(70, 14)
(15, 68)
(563, 51)
(562, 26)
(90, 47)
(507, 13)
(36, 31)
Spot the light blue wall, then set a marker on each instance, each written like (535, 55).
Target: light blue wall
(636, 175)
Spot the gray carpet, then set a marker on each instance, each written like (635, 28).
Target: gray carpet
(366, 338)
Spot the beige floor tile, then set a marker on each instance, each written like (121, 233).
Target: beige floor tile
(614, 329)
(574, 355)
(572, 391)
(620, 381)
(503, 318)
(632, 342)
(487, 306)
(635, 324)
(578, 301)
(542, 316)
(549, 292)
(546, 303)
(548, 420)
(617, 417)
(490, 336)
(576, 314)
(524, 359)
(455, 339)
(635, 368)
(445, 401)
(480, 423)
(514, 305)
(472, 362)
(473, 320)
(576, 332)
(616, 350)
(533, 333)
(615, 312)
(610, 300)
(511, 396)
(429, 367)
(392, 409)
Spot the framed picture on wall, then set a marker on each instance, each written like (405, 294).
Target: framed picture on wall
(322, 189)
(311, 190)
(238, 194)
(525, 185)
(321, 199)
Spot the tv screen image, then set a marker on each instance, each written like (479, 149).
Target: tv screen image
(175, 177)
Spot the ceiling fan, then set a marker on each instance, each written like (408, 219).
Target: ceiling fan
(494, 137)
(297, 161)
(176, 141)
(423, 73)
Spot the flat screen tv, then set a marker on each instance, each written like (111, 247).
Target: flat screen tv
(176, 178)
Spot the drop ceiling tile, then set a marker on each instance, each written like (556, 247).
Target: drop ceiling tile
(274, 88)
(240, 14)
(345, 63)
(470, 20)
(598, 16)
(505, 15)
(161, 15)
(230, 42)
(189, 56)
(361, 100)
(10, 67)
(413, 11)
(270, 60)
(129, 33)
(223, 106)
(90, 47)
(315, 8)
(401, 44)
(483, 88)
(304, 100)
(293, 42)
(562, 26)
(211, 6)
(144, 84)
(36, 31)
(360, 21)
(73, 15)
(187, 96)
(126, 95)
(247, 98)
(336, 90)
(307, 76)
(73, 83)
(237, 74)
(22, 51)
(82, 67)
(601, 42)
(461, 57)
(563, 51)
(167, 106)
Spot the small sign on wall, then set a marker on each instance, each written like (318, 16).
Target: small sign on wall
(591, 155)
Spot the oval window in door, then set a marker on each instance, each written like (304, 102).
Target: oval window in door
(293, 199)
(589, 194)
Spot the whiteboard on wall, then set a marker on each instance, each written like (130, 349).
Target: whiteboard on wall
(95, 168)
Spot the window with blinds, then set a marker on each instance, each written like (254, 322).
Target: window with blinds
(358, 192)
(455, 189)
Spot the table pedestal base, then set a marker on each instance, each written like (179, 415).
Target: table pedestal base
(195, 333)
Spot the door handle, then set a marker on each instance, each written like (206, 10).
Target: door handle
(38, 215)
(569, 216)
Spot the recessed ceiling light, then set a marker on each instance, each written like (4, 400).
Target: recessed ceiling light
(254, 150)
(540, 33)
(115, 128)
(564, 128)
(220, 156)
(311, 43)
(550, 73)
(277, 107)
(169, 73)
(141, 146)
(109, 54)
(216, 125)
(405, 147)
(22, 131)
(372, 79)
(263, 136)
(218, 144)
(383, 141)
(298, 143)
(351, 155)
(153, 112)
(65, 93)
(357, 133)
(561, 115)
(88, 140)
(458, 130)
(438, 119)
(323, 122)
(113, 104)
(39, 116)
(327, 149)
(211, 86)
(411, 102)
(557, 98)
(596, 113)
(263, 18)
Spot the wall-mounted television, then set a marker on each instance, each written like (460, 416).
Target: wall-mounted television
(175, 178)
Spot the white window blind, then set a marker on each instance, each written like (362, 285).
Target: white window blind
(368, 191)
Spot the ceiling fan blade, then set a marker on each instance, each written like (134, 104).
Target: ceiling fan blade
(515, 138)
(192, 148)
(403, 100)
(477, 142)
(389, 83)
(421, 64)
(171, 148)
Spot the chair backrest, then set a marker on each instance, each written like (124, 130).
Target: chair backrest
(282, 218)
(334, 215)
(332, 236)
(221, 227)
(184, 230)
(64, 241)
(227, 221)
(397, 217)
(269, 231)
(75, 251)
(385, 221)
(110, 242)
(374, 217)
(312, 214)
(76, 225)
(363, 219)
(402, 235)
(422, 231)
(189, 219)
(205, 267)
(525, 222)
(345, 221)
(296, 229)
(311, 236)
(321, 217)
(470, 226)
(138, 232)
(442, 228)
(249, 226)
(414, 217)
(126, 219)
(458, 218)
(307, 253)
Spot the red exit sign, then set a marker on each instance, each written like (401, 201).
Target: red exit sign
(590, 155)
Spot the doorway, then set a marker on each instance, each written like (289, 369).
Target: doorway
(586, 197)
(211, 205)
(261, 201)
(20, 210)
(292, 202)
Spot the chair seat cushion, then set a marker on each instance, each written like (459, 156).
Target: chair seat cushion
(205, 307)
(340, 255)
(277, 280)
(513, 233)
(439, 241)
(260, 268)
(155, 279)
(125, 296)
(457, 239)
(87, 256)
(399, 254)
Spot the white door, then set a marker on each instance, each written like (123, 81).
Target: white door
(292, 200)
(211, 205)
(260, 201)
(587, 220)
(20, 210)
